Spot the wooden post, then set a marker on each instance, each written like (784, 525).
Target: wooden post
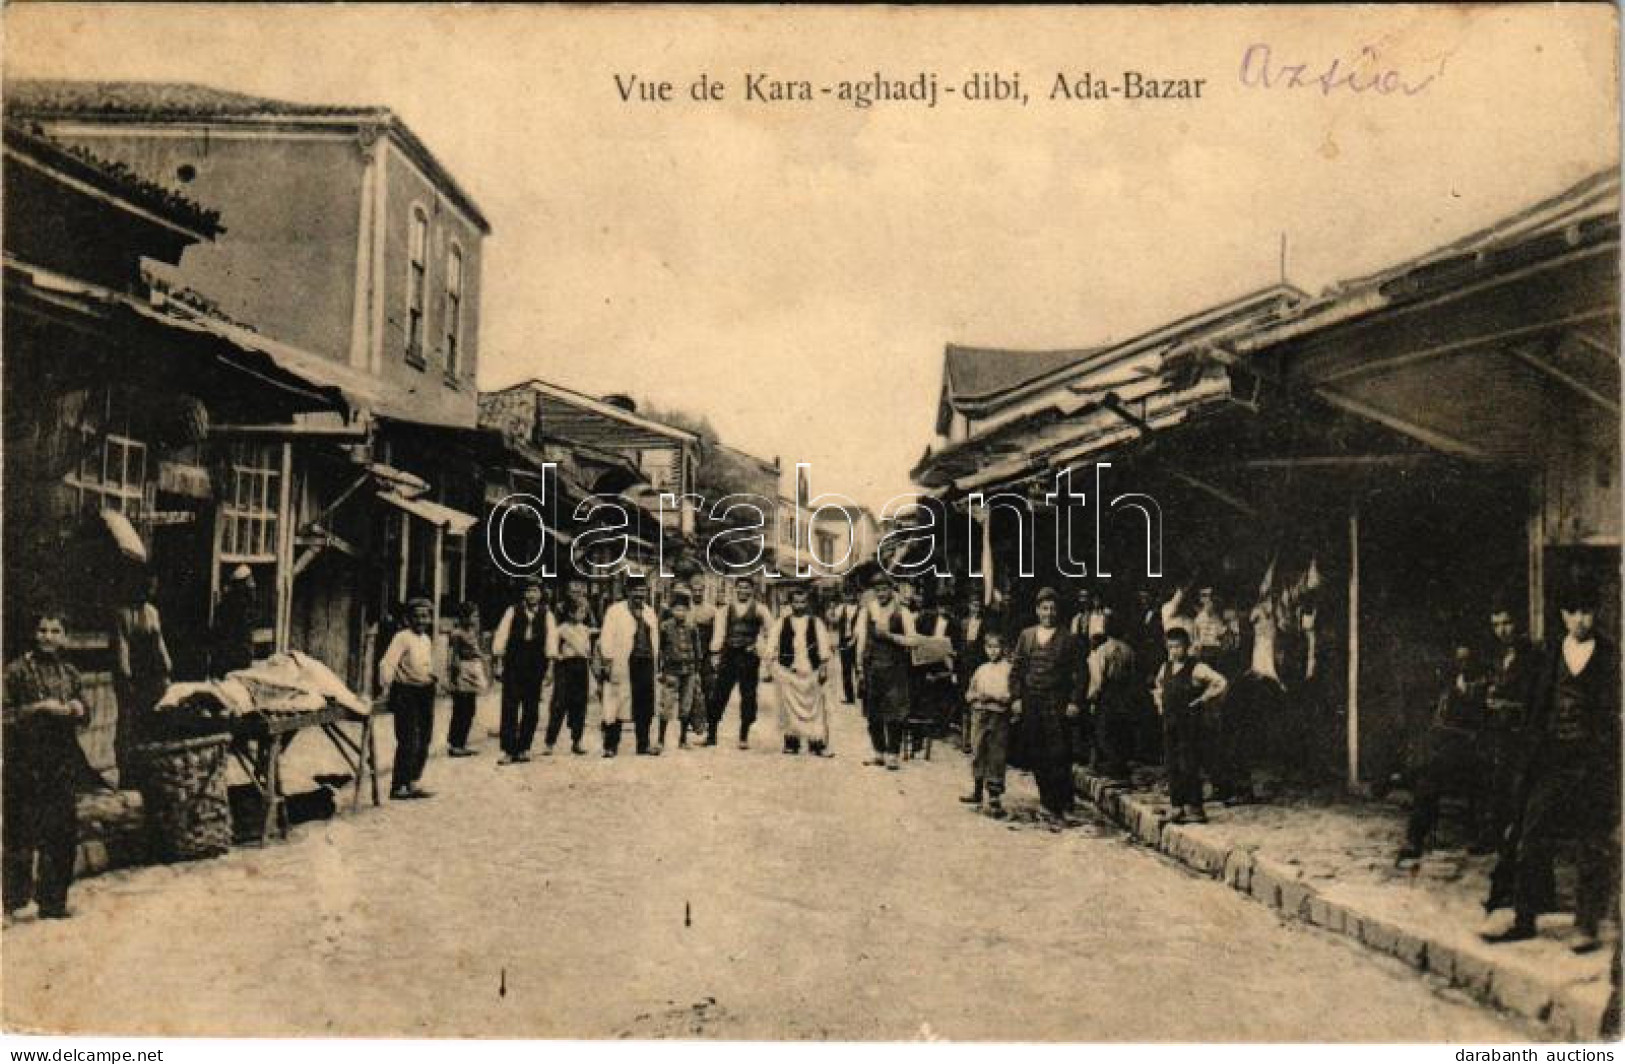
(406, 554)
(439, 575)
(284, 552)
(988, 583)
(1537, 561)
(1354, 647)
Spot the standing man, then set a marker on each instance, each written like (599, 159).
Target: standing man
(1184, 690)
(627, 652)
(702, 616)
(1047, 689)
(44, 708)
(407, 675)
(884, 633)
(1113, 694)
(526, 641)
(1514, 679)
(736, 638)
(234, 620)
(847, 616)
(801, 647)
(1573, 776)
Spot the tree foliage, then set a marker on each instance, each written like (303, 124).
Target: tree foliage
(720, 472)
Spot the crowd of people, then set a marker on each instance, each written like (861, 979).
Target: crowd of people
(1527, 736)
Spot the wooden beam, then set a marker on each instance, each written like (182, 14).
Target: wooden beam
(1336, 461)
(299, 430)
(1579, 387)
(284, 552)
(1377, 365)
(1223, 496)
(1602, 347)
(1432, 437)
(1354, 648)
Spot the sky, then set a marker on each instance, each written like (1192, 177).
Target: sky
(793, 270)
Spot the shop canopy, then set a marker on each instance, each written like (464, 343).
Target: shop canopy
(454, 521)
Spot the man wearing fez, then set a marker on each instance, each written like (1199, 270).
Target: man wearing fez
(44, 709)
(628, 649)
(407, 676)
(1573, 776)
(800, 646)
(234, 621)
(526, 640)
(736, 637)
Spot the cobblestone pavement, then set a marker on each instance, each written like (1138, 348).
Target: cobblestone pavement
(706, 893)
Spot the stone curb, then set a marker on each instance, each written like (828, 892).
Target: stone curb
(1564, 1011)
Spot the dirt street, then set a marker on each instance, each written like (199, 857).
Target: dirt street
(712, 893)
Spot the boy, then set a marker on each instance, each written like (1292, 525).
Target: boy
(679, 672)
(407, 676)
(44, 709)
(989, 699)
(570, 675)
(1184, 688)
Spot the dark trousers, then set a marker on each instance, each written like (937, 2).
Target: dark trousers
(1449, 765)
(462, 717)
(1050, 739)
(521, 705)
(1233, 741)
(1115, 725)
(412, 706)
(849, 668)
(40, 820)
(1569, 800)
(886, 736)
(642, 673)
(742, 668)
(1182, 753)
(569, 700)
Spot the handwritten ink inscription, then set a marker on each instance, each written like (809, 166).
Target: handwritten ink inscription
(1369, 74)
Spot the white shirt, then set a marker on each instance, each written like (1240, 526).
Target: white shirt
(550, 636)
(990, 686)
(798, 640)
(409, 659)
(725, 615)
(1213, 684)
(1577, 655)
(620, 631)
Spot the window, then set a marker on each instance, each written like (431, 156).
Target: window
(454, 309)
(417, 279)
(249, 510)
(111, 475)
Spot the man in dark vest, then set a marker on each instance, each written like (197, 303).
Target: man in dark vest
(1573, 777)
(525, 642)
(736, 637)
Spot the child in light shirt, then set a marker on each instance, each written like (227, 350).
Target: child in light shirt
(989, 699)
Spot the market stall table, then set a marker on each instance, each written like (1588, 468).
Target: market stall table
(259, 741)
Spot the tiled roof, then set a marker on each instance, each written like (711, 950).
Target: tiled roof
(55, 97)
(162, 101)
(981, 372)
(115, 179)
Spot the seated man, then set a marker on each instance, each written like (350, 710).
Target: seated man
(1448, 762)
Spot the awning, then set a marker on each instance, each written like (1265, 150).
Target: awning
(408, 484)
(125, 537)
(454, 521)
